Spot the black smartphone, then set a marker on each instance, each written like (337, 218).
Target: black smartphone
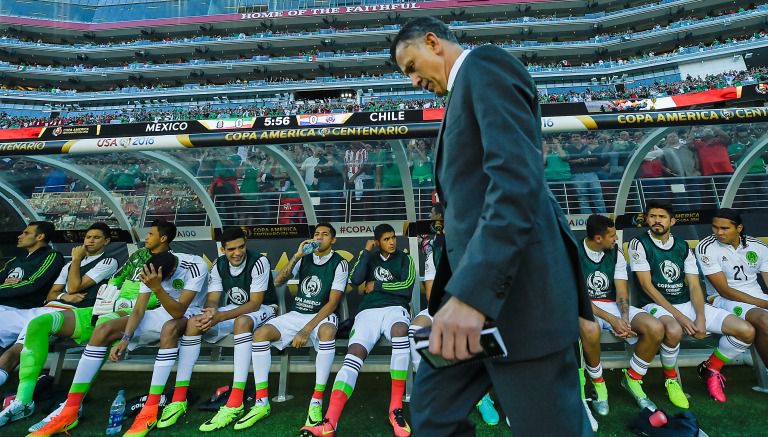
(490, 340)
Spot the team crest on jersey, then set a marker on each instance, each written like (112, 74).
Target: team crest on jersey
(752, 257)
(311, 286)
(178, 284)
(237, 296)
(597, 281)
(705, 259)
(16, 273)
(670, 271)
(382, 274)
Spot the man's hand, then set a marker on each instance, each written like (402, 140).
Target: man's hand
(701, 328)
(300, 339)
(118, 350)
(78, 253)
(456, 331)
(207, 319)
(12, 281)
(369, 287)
(688, 326)
(370, 245)
(152, 278)
(621, 327)
(300, 252)
(74, 297)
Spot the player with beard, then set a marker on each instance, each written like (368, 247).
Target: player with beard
(666, 271)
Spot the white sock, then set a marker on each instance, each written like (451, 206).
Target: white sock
(189, 352)
(594, 372)
(164, 362)
(325, 353)
(261, 358)
(242, 356)
(638, 365)
(415, 357)
(3, 376)
(669, 355)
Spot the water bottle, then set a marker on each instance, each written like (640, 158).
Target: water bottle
(311, 247)
(116, 412)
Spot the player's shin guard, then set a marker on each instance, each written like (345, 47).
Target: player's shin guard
(262, 360)
(323, 362)
(343, 387)
(35, 352)
(164, 362)
(89, 365)
(189, 352)
(415, 357)
(669, 360)
(398, 369)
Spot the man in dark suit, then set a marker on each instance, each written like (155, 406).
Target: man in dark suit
(509, 254)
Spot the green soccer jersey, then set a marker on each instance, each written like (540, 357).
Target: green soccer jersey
(128, 278)
(315, 283)
(667, 270)
(599, 275)
(237, 289)
(393, 279)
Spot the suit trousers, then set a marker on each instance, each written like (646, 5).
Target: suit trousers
(540, 396)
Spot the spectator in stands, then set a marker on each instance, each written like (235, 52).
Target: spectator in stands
(308, 167)
(176, 279)
(600, 146)
(323, 276)
(623, 147)
(75, 287)
(126, 179)
(753, 189)
(330, 182)
(556, 165)
(711, 145)
(26, 280)
(419, 155)
(356, 164)
(390, 202)
(388, 276)
(584, 166)
(732, 262)
(666, 270)
(241, 297)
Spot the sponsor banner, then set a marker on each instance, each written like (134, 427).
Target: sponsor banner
(63, 132)
(21, 133)
(266, 232)
(365, 229)
(682, 218)
(31, 148)
(121, 144)
(187, 233)
(577, 222)
(322, 119)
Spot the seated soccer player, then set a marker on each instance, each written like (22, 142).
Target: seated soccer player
(228, 308)
(731, 261)
(26, 280)
(665, 269)
(75, 287)
(322, 280)
(605, 275)
(389, 275)
(176, 279)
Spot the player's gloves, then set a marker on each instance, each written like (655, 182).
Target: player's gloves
(105, 299)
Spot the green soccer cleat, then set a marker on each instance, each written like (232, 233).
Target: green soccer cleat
(635, 388)
(171, 414)
(676, 395)
(600, 405)
(16, 411)
(257, 412)
(222, 419)
(314, 415)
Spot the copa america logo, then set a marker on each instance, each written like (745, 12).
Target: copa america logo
(382, 274)
(670, 271)
(597, 281)
(237, 296)
(311, 286)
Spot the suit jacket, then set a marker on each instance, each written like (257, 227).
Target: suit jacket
(509, 251)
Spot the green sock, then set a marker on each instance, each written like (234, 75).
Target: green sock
(35, 352)
(582, 383)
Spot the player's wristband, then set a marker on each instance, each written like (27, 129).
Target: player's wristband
(126, 337)
(59, 296)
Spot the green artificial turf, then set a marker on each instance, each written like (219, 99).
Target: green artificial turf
(745, 413)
